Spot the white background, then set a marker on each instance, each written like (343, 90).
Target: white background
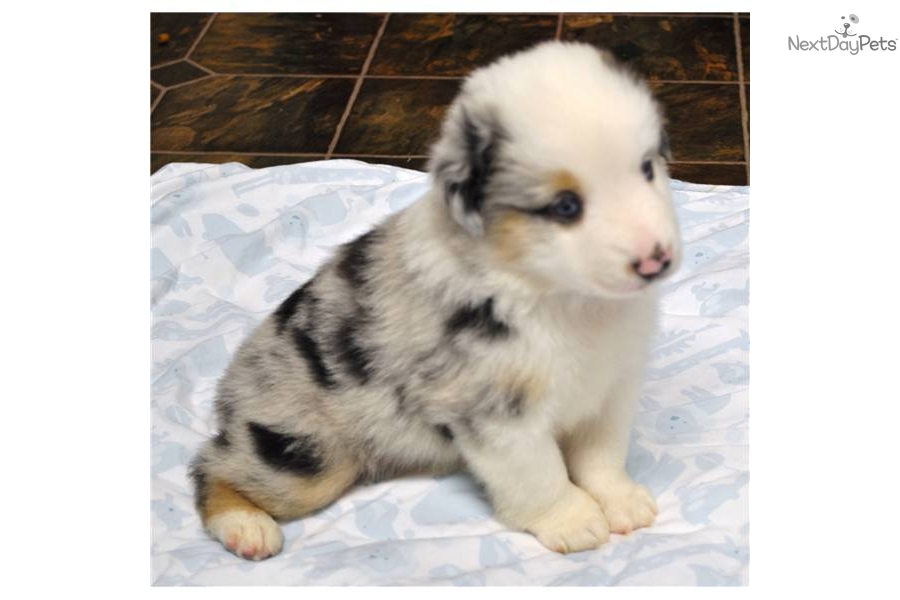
(74, 241)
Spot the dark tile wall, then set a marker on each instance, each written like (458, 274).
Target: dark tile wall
(266, 89)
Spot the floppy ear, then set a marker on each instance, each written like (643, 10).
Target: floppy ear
(463, 160)
(664, 149)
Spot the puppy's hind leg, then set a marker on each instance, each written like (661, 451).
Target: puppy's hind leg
(240, 498)
(230, 517)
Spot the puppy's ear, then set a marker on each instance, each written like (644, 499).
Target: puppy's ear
(664, 150)
(463, 161)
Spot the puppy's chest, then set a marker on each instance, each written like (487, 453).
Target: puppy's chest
(582, 356)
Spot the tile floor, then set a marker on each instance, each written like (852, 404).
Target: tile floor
(267, 89)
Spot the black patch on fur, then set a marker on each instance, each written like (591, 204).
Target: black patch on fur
(480, 155)
(356, 360)
(357, 258)
(201, 488)
(287, 309)
(222, 440)
(444, 431)
(479, 319)
(298, 454)
(309, 350)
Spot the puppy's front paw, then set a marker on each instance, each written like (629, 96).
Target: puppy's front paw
(627, 505)
(251, 535)
(575, 523)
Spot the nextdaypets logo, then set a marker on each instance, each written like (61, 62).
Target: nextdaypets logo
(844, 40)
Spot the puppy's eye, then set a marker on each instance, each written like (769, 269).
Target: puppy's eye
(567, 207)
(647, 170)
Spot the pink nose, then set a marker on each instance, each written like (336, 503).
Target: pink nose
(654, 265)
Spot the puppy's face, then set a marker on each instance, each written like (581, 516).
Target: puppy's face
(555, 158)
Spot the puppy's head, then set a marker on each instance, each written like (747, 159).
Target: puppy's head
(555, 159)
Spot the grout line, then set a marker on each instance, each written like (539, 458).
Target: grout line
(165, 64)
(692, 81)
(208, 75)
(365, 68)
(559, 26)
(448, 77)
(364, 155)
(192, 81)
(158, 98)
(157, 86)
(202, 34)
(199, 66)
(745, 117)
(675, 15)
(291, 75)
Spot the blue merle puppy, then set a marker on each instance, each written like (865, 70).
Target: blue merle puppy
(500, 324)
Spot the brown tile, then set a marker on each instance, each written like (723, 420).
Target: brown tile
(250, 114)
(288, 43)
(718, 174)
(416, 44)
(417, 163)
(745, 46)
(704, 120)
(176, 73)
(397, 116)
(172, 34)
(680, 15)
(158, 161)
(668, 48)
(154, 93)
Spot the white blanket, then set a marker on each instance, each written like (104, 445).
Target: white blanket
(230, 243)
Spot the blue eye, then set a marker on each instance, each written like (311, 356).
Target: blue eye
(567, 207)
(647, 170)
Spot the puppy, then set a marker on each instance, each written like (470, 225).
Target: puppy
(500, 324)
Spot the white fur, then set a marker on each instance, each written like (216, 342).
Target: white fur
(566, 109)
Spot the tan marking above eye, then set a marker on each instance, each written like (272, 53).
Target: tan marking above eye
(564, 180)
